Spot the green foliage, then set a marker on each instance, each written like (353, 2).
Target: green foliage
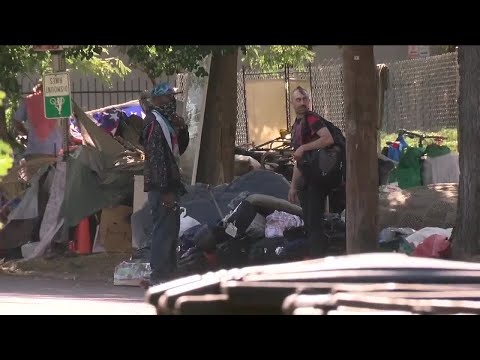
(6, 153)
(447, 48)
(6, 158)
(17, 60)
(158, 60)
(450, 134)
(104, 69)
(84, 52)
(275, 57)
(9, 114)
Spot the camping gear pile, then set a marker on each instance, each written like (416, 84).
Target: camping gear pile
(248, 221)
(423, 164)
(47, 211)
(427, 242)
(275, 155)
(418, 221)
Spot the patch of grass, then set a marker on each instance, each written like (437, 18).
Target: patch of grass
(450, 134)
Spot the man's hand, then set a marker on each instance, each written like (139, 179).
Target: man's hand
(21, 129)
(178, 121)
(293, 195)
(299, 153)
(168, 200)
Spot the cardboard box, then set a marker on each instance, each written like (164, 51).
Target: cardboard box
(115, 233)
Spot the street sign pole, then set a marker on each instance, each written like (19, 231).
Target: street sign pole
(59, 66)
(57, 102)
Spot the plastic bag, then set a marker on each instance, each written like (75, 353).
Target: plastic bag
(394, 239)
(418, 237)
(131, 273)
(391, 234)
(279, 221)
(435, 246)
(186, 222)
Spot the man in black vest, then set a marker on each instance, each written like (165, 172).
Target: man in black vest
(309, 132)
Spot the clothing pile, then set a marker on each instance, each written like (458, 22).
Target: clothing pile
(431, 242)
(246, 222)
(252, 235)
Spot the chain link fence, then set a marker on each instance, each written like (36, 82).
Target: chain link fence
(326, 84)
(421, 94)
(242, 128)
(243, 76)
(327, 91)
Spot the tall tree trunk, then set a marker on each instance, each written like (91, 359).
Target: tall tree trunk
(466, 234)
(360, 94)
(217, 149)
(3, 125)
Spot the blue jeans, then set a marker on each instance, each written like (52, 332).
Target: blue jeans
(166, 225)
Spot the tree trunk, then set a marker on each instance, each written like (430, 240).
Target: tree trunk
(360, 94)
(217, 147)
(467, 229)
(3, 125)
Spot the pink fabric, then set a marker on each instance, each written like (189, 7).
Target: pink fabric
(434, 246)
(36, 115)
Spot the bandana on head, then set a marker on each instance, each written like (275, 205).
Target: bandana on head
(163, 89)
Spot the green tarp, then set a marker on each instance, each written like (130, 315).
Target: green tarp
(88, 191)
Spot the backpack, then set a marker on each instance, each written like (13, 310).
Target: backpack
(341, 142)
(327, 166)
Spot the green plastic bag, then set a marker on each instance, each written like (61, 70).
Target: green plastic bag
(409, 169)
(435, 150)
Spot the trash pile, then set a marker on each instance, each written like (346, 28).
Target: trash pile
(428, 242)
(246, 222)
(53, 207)
(423, 164)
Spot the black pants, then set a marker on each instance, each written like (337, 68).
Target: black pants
(312, 199)
(337, 199)
(166, 225)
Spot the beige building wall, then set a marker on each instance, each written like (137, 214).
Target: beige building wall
(265, 109)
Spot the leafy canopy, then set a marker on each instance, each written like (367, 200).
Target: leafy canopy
(18, 60)
(158, 60)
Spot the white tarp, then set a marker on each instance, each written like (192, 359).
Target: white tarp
(28, 206)
(52, 221)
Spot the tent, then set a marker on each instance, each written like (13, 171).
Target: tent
(101, 167)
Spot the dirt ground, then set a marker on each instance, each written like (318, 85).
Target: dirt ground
(98, 267)
(94, 267)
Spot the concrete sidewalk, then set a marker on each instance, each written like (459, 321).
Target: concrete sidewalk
(21, 295)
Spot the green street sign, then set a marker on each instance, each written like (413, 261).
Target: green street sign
(57, 96)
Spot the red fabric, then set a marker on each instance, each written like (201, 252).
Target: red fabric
(304, 134)
(435, 246)
(211, 259)
(36, 115)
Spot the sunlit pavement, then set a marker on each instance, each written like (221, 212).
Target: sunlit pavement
(29, 296)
